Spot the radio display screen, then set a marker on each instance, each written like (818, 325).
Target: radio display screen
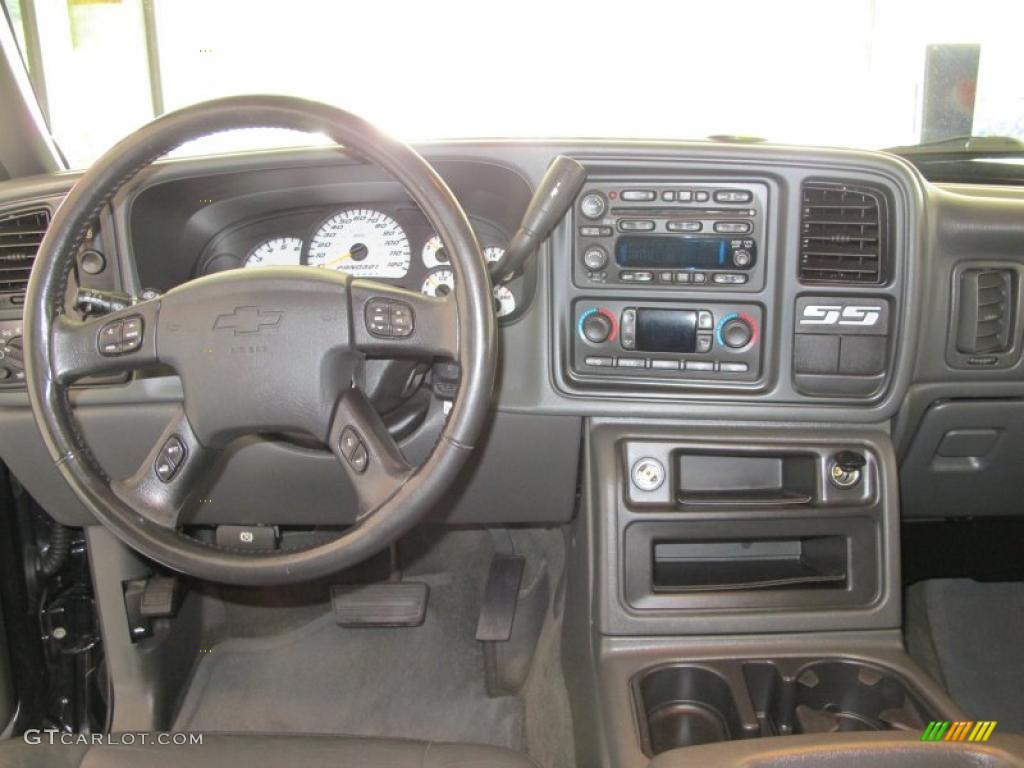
(666, 330)
(668, 252)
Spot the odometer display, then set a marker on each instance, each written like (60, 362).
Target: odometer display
(363, 242)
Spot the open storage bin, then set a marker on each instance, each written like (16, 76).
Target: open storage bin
(682, 705)
(805, 562)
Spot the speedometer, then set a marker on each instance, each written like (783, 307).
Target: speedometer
(362, 242)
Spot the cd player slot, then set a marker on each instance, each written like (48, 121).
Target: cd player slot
(683, 212)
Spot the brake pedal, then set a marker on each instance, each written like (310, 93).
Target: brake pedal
(392, 604)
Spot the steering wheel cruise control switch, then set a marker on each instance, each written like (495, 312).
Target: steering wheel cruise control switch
(846, 469)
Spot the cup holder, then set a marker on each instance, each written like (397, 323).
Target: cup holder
(830, 696)
(683, 705)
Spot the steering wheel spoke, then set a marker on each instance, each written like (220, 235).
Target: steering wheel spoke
(175, 472)
(369, 455)
(119, 341)
(392, 322)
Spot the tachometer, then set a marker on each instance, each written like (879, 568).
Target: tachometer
(362, 242)
(278, 252)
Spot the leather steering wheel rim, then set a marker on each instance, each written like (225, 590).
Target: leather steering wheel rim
(57, 348)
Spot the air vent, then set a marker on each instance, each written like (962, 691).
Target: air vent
(842, 234)
(985, 311)
(20, 235)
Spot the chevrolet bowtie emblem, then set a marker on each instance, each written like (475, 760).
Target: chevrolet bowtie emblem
(247, 320)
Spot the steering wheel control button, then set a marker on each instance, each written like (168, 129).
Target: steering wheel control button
(349, 442)
(352, 448)
(648, 474)
(171, 457)
(119, 337)
(378, 317)
(389, 319)
(110, 338)
(131, 334)
(359, 459)
(401, 319)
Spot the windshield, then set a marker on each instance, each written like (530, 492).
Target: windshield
(856, 73)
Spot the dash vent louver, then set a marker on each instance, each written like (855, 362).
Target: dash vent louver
(842, 234)
(20, 236)
(985, 311)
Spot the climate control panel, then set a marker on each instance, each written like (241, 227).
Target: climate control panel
(713, 341)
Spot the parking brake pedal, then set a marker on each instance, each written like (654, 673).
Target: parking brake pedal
(392, 604)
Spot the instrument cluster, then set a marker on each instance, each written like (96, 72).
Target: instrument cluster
(390, 243)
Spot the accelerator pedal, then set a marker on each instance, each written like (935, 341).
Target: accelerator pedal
(391, 604)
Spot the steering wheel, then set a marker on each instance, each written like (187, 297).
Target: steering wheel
(295, 336)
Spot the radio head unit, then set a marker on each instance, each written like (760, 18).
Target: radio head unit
(670, 235)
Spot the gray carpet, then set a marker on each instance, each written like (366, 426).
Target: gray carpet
(977, 632)
(425, 682)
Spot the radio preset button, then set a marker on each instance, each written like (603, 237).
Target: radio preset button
(705, 320)
(631, 362)
(701, 196)
(597, 361)
(665, 277)
(733, 196)
(592, 231)
(593, 205)
(682, 277)
(665, 365)
(733, 227)
(728, 278)
(699, 278)
(668, 195)
(683, 226)
(636, 225)
(637, 195)
(733, 367)
(595, 258)
(636, 277)
(684, 195)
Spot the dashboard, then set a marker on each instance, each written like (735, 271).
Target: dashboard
(701, 283)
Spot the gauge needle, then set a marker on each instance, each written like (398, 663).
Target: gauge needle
(337, 259)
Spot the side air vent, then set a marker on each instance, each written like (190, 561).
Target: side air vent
(20, 235)
(986, 310)
(842, 234)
